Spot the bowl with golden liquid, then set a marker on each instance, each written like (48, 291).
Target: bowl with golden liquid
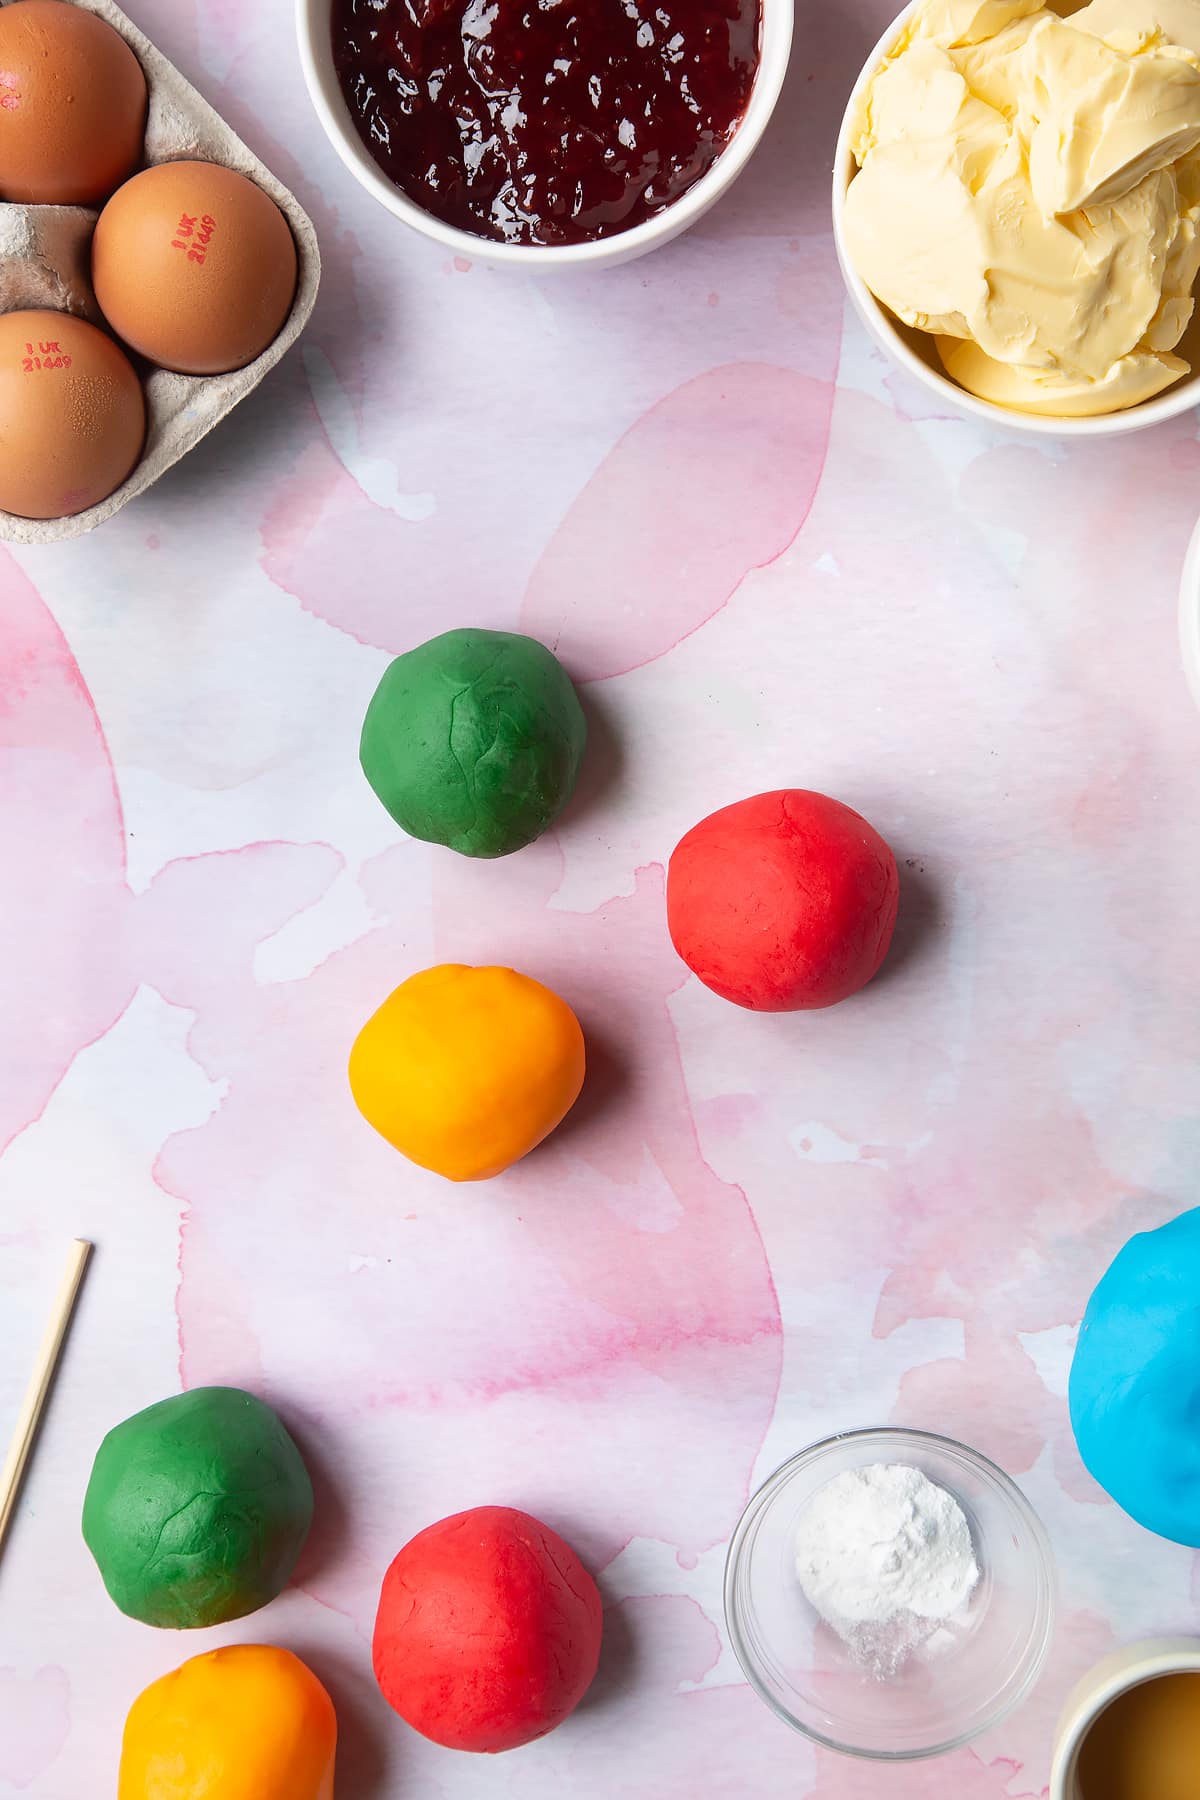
(1131, 1729)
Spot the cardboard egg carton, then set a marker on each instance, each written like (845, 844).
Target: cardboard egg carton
(45, 257)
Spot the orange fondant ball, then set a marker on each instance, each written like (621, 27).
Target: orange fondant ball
(247, 1723)
(465, 1070)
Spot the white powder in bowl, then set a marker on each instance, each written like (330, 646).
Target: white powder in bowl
(885, 1557)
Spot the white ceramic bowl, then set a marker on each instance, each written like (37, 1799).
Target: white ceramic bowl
(970, 1675)
(1189, 615)
(916, 352)
(1114, 1676)
(316, 55)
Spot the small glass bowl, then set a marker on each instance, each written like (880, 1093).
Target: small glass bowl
(963, 1680)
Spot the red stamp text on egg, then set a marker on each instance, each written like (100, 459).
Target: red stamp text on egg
(46, 355)
(193, 235)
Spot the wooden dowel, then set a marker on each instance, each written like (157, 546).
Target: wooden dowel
(40, 1382)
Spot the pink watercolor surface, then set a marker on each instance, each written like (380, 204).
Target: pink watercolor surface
(694, 479)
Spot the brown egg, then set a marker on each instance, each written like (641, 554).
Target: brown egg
(72, 105)
(72, 415)
(194, 267)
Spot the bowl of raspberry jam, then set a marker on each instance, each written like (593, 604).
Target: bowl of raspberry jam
(550, 133)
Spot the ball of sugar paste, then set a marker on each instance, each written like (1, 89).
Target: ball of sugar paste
(1135, 1380)
(247, 1723)
(488, 1632)
(783, 902)
(475, 740)
(465, 1070)
(197, 1509)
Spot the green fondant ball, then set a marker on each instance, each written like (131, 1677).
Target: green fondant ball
(475, 740)
(197, 1509)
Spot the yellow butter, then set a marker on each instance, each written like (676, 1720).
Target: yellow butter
(1135, 378)
(1133, 24)
(1031, 186)
(1101, 119)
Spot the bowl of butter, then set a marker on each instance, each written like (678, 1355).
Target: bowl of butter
(1017, 208)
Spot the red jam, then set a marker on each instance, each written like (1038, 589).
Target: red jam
(545, 121)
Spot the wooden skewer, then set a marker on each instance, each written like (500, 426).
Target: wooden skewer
(40, 1382)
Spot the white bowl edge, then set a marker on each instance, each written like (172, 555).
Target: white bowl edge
(1178, 400)
(316, 56)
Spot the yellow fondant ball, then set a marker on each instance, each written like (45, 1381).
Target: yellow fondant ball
(465, 1070)
(246, 1723)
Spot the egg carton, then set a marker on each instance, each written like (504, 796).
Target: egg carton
(45, 258)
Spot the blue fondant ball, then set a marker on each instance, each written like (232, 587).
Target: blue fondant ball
(1135, 1380)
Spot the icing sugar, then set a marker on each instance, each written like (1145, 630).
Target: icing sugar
(886, 1558)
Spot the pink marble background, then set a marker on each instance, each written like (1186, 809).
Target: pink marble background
(767, 562)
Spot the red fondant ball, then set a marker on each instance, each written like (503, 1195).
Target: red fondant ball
(488, 1631)
(783, 902)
